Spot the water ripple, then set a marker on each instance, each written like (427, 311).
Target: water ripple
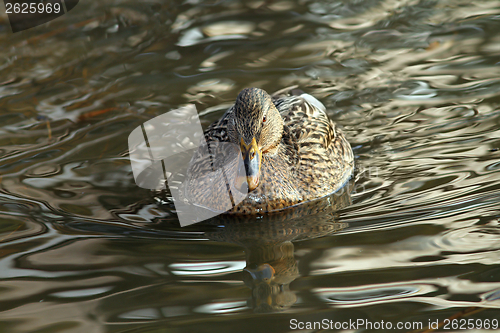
(413, 84)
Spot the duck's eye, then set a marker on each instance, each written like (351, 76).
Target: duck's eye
(264, 119)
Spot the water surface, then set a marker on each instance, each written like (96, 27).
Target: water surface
(414, 85)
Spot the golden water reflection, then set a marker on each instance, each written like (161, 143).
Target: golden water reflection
(269, 249)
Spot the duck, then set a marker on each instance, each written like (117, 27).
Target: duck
(285, 151)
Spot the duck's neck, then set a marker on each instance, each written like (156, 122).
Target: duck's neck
(274, 148)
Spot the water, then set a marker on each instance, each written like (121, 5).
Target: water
(414, 84)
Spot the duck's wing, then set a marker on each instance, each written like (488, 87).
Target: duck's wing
(218, 131)
(306, 118)
(322, 147)
(211, 169)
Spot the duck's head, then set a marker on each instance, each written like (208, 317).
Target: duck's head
(258, 128)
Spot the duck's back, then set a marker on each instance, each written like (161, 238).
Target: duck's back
(325, 157)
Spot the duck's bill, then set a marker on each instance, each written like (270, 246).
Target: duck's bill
(252, 157)
(252, 178)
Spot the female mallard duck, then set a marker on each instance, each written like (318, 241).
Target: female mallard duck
(291, 152)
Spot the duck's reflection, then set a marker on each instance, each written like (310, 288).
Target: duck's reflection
(268, 243)
(270, 270)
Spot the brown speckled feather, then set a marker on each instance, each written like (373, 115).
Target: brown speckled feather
(311, 160)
